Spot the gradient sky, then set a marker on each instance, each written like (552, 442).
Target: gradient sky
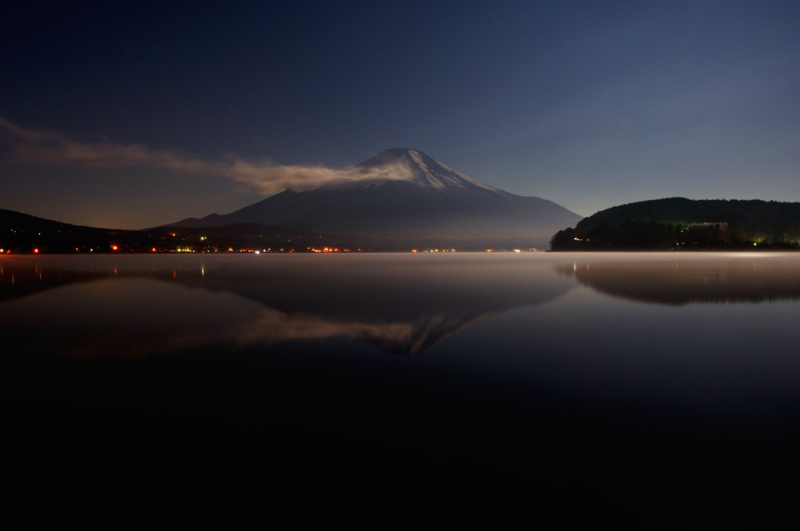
(141, 115)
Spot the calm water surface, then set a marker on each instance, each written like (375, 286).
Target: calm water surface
(647, 386)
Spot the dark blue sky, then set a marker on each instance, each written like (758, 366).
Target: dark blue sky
(133, 116)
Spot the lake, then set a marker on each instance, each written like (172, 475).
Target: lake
(649, 387)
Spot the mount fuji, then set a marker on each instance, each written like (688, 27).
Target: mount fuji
(405, 196)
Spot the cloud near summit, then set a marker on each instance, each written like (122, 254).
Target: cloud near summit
(46, 148)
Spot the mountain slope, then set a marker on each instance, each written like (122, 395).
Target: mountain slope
(415, 198)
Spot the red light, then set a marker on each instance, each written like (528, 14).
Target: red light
(36, 251)
(113, 247)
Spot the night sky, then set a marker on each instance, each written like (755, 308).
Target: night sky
(135, 116)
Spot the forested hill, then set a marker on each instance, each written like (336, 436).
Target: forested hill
(665, 224)
(22, 233)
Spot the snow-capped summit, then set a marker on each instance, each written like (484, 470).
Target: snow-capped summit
(414, 166)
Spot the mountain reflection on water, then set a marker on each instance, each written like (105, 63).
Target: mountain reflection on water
(399, 303)
(681, 280)
(546, 376)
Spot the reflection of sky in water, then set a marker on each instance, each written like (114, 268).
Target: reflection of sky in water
(518, 320)
(732, 360)
(519, 371)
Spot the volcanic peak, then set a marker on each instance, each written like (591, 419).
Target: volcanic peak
(404, 164)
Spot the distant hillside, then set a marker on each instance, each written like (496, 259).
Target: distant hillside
(672, 224)
(22, 233)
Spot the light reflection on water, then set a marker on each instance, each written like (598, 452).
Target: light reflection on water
(614, 352)
(399, 303)
(726, 319)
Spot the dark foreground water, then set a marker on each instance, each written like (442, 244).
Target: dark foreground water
(642, 388)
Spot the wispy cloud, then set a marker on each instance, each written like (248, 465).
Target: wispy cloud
(46, 148)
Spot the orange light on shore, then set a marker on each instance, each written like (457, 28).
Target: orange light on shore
(153, 249)
(114, 247)
(413, 250)
(36, 251)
